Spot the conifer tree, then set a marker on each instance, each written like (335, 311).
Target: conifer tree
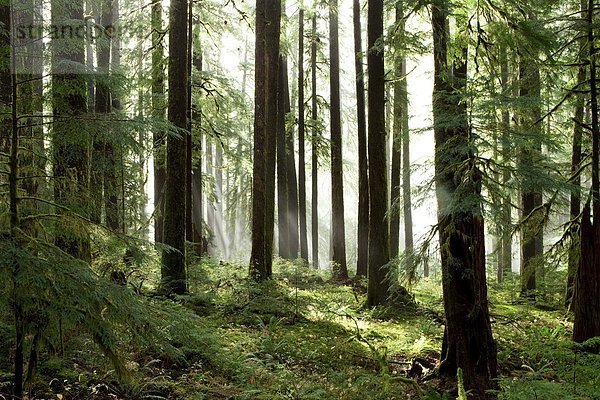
(379, 255)
(338, 235)
(468, 342)
(173, 271)
(301, 142)
(361, 130)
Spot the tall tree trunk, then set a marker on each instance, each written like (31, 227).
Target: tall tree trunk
(378, 289)
(173, 273)
(363, 176)
(506, 175)
(9, 142)
(406, 185)
(468, 342)
(315, 145)
(189, 142)
(338, 236)
(70, 142)
(198, 206)
(272, 33)
(158, 112)
(587, 286)
(97, 152)
(301, 143)
(398, 116)
(257, 257)
(282, 177)
(268, 19)
(575, 200)
(531, 196)
(290, 170)
(102, 142)
(32, 162)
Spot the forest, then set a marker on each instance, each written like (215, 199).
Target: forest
(335, 199)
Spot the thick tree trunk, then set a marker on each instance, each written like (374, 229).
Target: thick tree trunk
(272, 33)
(338, 236)
(173, 273)
(531, 197)
(70, 143)
(32, 162)
(315, 152)
(575, 200)
(506, 175)
(378, 289)
(301, 143)
(363, 176)
(103, 147)
(9, 142)
(468, 342)
(158, 112)
(189, 140)
(268, 16)
(587, 286)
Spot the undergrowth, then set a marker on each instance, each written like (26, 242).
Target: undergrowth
(300, 336)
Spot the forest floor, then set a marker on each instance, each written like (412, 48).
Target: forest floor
(302, 337)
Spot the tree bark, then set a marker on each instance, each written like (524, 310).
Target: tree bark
(378, 289)
(173, 271)
(290, 169)
(70, 143)
(399, 112)
(315, 151)
(272, 33)
(531, 197)
(158, 112)
(268, 16)
(338, 236)
(301, 143)
(406, 185)
(468, 342)
(575, 198)
(506, 236)
(103, 143)
(363, 175)
(587, 286)
(283, 222)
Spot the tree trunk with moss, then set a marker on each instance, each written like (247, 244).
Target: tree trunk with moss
(575, 198)
(506, 236)
(587, 285)
(158, 112)
(70, 142)
(468, 343)
(531, 196)
(378, 290)
(173, 271)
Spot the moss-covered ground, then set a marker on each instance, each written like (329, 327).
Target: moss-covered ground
(300, 336)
